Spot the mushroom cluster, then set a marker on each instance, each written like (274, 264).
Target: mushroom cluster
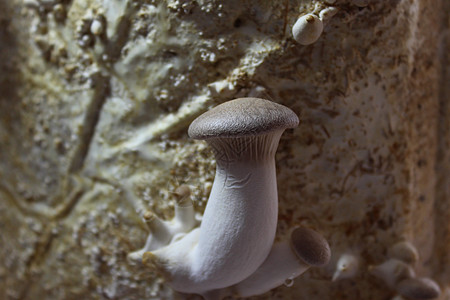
(233, 249)
(397, 272)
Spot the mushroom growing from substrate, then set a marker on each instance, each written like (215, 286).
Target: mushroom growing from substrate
(238, 227)
(346, 267)
(401, 277)
(165, 232)
(287, 260)
(307, 29)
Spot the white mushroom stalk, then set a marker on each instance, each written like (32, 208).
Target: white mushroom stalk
(287, 260)
(239, 223)
(165, 232)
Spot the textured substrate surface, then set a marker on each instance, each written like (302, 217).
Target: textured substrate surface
(95, 101)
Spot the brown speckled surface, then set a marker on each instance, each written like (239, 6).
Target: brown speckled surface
(93, 132)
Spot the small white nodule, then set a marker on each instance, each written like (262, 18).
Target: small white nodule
(326, 14)
(307, 29)
(404, 251)
(346, 267)
(96, 27)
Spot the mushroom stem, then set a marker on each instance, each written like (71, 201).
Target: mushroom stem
(164, 232)
(244, 193)
(158, 227)
(184, 210)
(281, 265)
(287, 260)
(185, 215)
(239, 223)
(160, 236)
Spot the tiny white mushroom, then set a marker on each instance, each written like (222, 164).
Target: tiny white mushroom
(404, 251)
(346, 267)
(160, 236)
(327, 13)
(96, 27)
(165, 232)
(307, 29)
(392, 271)
(239, 223)
(184, 210)
(419, 288)
(286, 261)
(160, 230)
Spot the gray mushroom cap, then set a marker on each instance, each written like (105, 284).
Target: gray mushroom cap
(242, 117)
(310, 246)
(419, 288)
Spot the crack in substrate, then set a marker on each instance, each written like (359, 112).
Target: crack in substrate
(102, 90)
(43, 211)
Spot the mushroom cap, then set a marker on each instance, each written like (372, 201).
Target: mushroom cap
(419, 288)
(404, 251)
(242, 117)
(310, 246)
(307, 29)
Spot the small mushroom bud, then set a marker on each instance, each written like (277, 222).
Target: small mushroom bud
(392, 271)
(184, 210)
(307, 29)
(404, 251)
(326, 14)
(347, 266)
(166, 232)
(419, 288)
(182, 194)
(97, 27)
